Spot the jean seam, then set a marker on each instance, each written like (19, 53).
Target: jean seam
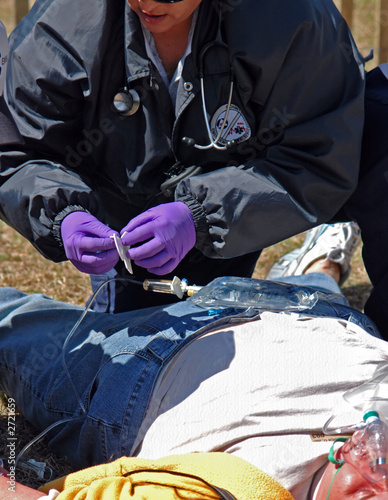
(24, 382)
(102, 422)
(131, 406)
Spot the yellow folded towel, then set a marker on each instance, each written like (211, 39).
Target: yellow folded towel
(191, 476)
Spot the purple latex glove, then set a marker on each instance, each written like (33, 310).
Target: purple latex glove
(168, 233)
(88, 244)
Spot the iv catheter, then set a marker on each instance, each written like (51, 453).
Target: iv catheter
(122, 251)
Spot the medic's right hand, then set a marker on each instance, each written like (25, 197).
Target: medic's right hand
(88, 244)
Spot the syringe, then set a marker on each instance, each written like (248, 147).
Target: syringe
(175, 286)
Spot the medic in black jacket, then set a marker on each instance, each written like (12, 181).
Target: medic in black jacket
(119, 138)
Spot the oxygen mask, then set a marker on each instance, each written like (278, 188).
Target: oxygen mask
(367, 449)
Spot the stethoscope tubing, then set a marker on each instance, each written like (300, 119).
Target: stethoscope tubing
(214, 142)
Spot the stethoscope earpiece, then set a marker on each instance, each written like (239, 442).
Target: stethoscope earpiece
(126, 102)
(189, 141)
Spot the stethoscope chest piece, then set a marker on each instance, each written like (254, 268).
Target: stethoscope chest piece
(126, 102)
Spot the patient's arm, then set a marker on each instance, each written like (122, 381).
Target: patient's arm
(12, 490)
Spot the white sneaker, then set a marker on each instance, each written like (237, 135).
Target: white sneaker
(334, 242)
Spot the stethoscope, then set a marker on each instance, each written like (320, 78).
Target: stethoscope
(214, 143)
(126, 102)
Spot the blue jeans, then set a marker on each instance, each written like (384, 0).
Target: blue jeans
(102, 381)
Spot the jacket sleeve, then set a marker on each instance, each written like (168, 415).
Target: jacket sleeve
(302, 165)
(46, 85)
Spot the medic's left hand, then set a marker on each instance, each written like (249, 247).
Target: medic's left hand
(168, 233)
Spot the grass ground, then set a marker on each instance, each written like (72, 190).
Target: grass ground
(22, 267)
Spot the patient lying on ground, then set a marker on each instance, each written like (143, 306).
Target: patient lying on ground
(254, 387)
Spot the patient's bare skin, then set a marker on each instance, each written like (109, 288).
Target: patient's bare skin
(349, 484)
(12, 490)
(326, 266)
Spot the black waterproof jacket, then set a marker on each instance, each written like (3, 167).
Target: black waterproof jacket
(297, 105)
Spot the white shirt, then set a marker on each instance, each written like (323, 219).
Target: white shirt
(258, 390)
